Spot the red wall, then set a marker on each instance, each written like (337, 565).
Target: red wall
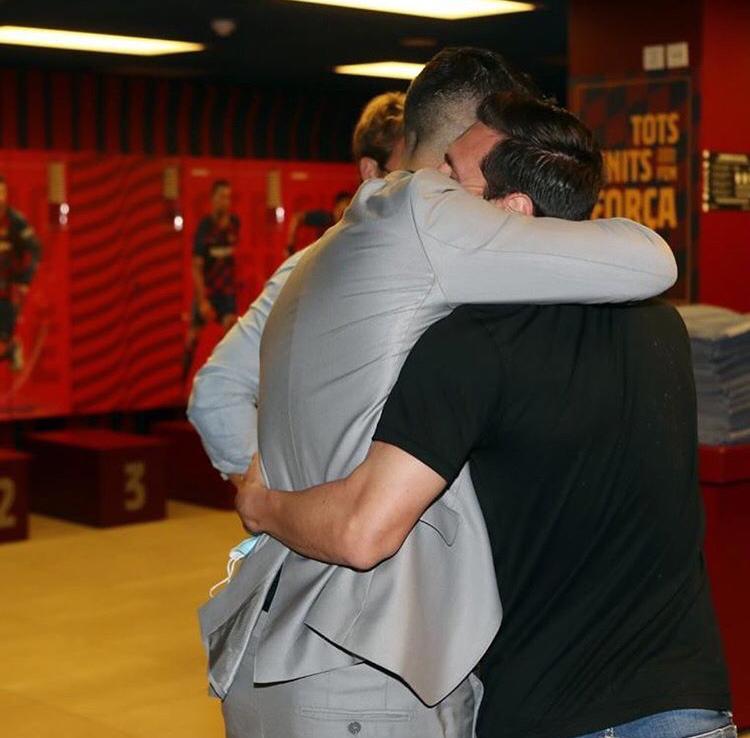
(606, 38)
(126, 285)
(606, 41)
(725, 126)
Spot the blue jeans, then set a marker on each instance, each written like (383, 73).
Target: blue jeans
(675, 724)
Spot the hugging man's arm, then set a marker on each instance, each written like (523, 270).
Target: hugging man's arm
(433, 418)
(357, 521)
(481, 254)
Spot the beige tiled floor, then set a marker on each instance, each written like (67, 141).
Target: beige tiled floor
(98, 628)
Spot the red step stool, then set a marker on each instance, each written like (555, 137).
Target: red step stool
(725, 480)
(14, 495)
(98, 477)
(192, 477)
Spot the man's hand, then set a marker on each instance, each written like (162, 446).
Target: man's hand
(251, 496)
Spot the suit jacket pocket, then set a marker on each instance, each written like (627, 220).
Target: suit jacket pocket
(442, 518)
(227, 645)
(228, 620)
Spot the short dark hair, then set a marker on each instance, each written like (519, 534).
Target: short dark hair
(457, 76)
(379, 128)
(218, 184)
(546, 153)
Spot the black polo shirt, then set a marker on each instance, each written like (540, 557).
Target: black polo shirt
(579, 424)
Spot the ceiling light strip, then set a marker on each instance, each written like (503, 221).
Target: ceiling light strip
(385, 69)
(442, 9)
(51, 38)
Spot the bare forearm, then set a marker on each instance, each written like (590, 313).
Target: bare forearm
(318, 522)
(358, 521)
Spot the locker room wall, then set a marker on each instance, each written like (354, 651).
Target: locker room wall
(108, 309)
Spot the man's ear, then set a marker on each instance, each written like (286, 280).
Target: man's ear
(368, 168)
(516, 202)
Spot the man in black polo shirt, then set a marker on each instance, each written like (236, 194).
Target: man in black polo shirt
(579, 425)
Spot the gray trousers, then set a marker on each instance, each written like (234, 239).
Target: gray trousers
(354, 701)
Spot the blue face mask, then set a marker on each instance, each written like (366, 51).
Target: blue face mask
(244, 548)
(239, 552)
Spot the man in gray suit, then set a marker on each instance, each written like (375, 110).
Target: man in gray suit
(338, 650)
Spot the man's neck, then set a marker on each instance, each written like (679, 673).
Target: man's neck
(421, 159)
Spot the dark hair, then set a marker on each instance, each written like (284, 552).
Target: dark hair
(379, 128)
(218, 184)
(341, 196)
(456, 76)
(547, 154)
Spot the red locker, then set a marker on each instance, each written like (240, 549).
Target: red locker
(725, 480)
(104, 325)
(126, 286)
(37, 384)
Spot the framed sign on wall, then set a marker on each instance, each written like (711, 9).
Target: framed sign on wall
(645, 129)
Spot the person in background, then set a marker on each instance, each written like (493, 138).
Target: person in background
(20, 252)
(378, 138)
(377, 148)
(214, 269)
(307, 227)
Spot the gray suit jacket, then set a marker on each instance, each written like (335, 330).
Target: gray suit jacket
(407, 251)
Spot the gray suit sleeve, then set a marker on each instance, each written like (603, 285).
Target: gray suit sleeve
(223, 403)
(482, 254)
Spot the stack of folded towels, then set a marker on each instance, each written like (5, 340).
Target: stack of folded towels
(721, 361)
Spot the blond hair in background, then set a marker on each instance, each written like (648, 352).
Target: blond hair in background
(377, 143)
